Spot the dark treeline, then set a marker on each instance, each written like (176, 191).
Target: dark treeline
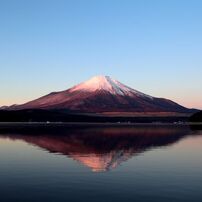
(38, 115)
(196, 117)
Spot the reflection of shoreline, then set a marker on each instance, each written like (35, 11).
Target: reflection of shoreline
(102, 149)
(21, 125)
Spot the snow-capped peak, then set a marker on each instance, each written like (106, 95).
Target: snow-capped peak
(97, 83)
(108, 84)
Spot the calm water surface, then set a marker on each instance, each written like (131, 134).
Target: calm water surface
(161, 163)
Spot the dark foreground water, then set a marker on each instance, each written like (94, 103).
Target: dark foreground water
(161, 163)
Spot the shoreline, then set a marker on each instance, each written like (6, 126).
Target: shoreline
(62, 124)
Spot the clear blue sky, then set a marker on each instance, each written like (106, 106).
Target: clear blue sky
(154, 46)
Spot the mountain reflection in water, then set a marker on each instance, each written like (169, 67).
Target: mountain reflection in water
(101, 149)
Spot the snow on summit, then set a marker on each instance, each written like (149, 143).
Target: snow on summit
(108, 84)
(93, 84)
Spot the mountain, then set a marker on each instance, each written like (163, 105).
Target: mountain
(102, 94)
(4, 107)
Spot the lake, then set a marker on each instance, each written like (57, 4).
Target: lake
(101, 164)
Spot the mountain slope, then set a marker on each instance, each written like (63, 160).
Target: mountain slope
(103, 94)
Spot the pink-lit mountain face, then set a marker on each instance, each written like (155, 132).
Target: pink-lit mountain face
(102, 94)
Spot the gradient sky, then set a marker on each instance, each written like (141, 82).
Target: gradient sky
(49, 45)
